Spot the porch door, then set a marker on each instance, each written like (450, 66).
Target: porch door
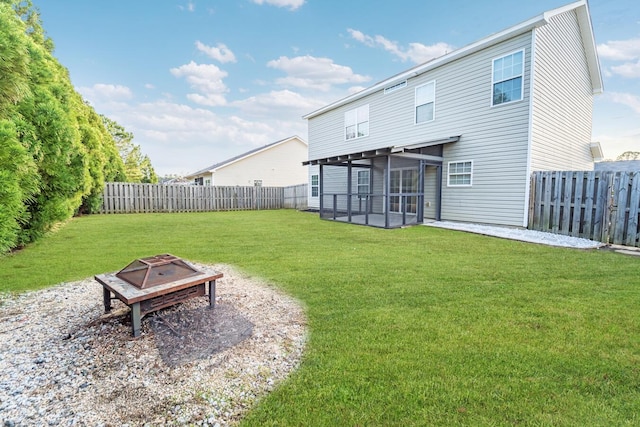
(403, 181)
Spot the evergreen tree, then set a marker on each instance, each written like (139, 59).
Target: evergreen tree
(55, 152)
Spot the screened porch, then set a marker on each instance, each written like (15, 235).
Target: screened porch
(389, 187)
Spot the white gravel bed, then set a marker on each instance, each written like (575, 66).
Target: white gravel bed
(64, 362)
(524, 235)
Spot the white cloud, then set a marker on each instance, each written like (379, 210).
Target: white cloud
(282, 100)
(632, 101)
(181, 139)
(210, 99)
(620, 50)
(190, 7)
(106, 92)
(615, 144)
(361, 37)
(629, 69)
(205, 78)
(291, 4)
(309, 72)
(416, 52)
(220, 53)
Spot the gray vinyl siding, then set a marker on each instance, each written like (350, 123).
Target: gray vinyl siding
(495, 138)
(430, 191)
(562, 100)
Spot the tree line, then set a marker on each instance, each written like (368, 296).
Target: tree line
(56, 151)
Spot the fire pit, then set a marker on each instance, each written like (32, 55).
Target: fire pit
(149, 284)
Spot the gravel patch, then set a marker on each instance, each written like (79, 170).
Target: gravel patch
(64, 362)
(524, 235)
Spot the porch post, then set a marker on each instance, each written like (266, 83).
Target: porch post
(438, 191)
(321, 191)
(387, 201)
(421, 192)
(369, 205)
(349, 175)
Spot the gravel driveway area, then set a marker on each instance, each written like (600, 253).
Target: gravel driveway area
(64, 362)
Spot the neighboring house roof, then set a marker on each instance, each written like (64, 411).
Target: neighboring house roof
(586, 32)
(239, 157)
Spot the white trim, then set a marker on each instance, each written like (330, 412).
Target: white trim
(368, 184)
(526, 26)
(470, 184)
(355, 112)
(493, 82)
(311, 186)
(415, 103)
(596, 151)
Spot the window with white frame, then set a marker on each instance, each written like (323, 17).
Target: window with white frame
(508, 72)
(459, 174)
(356, 122)
(315, 186)
(425, 102)
(363, 182)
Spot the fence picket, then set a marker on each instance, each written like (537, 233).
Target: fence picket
(603, 206)
(123, 197)
(589, 197)
(633, 230)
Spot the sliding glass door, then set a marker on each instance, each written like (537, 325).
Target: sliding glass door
(403, 181)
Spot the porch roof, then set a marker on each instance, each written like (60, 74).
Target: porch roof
(378, 152)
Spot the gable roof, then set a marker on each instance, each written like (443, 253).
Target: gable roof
(586, 30)
(242, 156)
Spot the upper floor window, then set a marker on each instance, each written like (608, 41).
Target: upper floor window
(425, 102)
(507, 78)
(356, 122)
(459, 174)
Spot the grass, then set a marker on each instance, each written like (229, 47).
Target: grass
(416, 326)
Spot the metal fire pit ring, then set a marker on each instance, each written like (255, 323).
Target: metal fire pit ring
(175, 288)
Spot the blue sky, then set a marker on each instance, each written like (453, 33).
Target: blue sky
(200, 81)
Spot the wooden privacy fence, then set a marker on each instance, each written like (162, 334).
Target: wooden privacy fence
(596, 205)
(124, 197)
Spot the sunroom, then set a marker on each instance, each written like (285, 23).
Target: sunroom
(388, 187)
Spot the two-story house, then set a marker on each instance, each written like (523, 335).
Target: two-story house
(457, 138)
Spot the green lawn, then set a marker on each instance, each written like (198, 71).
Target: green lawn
(416, 326)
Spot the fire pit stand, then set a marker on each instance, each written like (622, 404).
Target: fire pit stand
(149, 284)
